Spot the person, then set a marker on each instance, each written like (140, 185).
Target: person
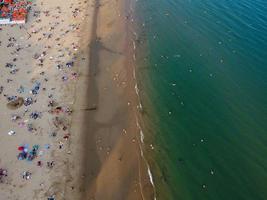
(26, 175)
(39, 163)
(51, 198)
(50, 164)
(3, 173)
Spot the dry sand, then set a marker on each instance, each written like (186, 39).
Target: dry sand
(101, 158)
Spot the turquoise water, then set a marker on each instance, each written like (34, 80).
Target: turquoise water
(204, 90)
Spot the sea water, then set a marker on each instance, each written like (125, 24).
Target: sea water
(203, 83)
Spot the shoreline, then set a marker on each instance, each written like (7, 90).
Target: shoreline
(134, 31)
(94, 184)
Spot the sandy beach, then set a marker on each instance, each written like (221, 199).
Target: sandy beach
(69, 114)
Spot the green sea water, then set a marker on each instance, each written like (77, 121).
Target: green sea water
(203, 83)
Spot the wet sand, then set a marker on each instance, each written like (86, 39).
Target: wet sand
(112, 163)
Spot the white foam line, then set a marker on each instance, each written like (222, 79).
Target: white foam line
(136, 90)
(137, 124)
(142, 136)
(148, 171)
(150, 175)
(135, 34)
(140, 106)
(134, 46)
(134, 74)
(142, 155)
